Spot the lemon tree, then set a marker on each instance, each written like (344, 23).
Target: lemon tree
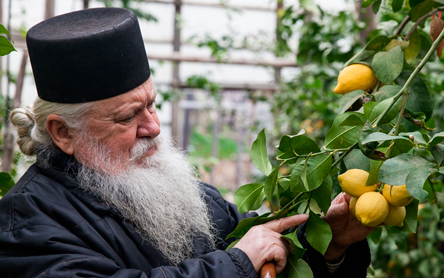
(388, 136)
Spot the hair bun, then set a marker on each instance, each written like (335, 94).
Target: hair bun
(23, 120)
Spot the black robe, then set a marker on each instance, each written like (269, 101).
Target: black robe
(49, 227)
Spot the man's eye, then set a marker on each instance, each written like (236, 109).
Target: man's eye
(127, 120)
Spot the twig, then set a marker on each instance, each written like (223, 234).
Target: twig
(344, 155)
(420, 20)
(401, 113)
(402, 25)
(410, 79)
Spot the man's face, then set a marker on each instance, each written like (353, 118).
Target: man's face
(118, 123)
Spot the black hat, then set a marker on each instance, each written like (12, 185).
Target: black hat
(87, 55)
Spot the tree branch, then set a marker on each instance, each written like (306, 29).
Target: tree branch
(402, 25)
(420, 20)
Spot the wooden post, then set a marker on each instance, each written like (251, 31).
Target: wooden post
(187, 125)
(176, 79)
(49, 8)
(368, 17)
(85, 4)
(277, 70)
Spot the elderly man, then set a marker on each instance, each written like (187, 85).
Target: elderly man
(108, 196)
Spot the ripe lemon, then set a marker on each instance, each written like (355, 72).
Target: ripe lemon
(398, 196)
(352, 205)
(355, 77)
(371, 209)
(353, 182)
(395, 216)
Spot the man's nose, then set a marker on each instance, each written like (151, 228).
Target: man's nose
(148, 125)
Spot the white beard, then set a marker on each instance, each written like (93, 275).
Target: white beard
(160, 197)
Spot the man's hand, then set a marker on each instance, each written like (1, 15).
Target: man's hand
(263, 243)
(345, 227)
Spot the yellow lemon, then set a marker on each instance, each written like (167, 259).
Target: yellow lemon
(398, 196)
(395, 216)
(371, 209)
(355, 77)
(353, 182)
(352, 205)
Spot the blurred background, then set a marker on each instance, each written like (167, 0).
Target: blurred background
(225, 70)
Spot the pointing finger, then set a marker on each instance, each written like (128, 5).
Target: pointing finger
(280, 225)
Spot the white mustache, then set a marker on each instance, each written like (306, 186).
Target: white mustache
(141, 147)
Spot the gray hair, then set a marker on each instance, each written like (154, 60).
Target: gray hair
(31, 123)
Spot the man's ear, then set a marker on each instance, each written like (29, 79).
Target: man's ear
(60, 133)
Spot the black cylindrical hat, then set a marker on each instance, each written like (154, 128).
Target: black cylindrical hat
(87, 55)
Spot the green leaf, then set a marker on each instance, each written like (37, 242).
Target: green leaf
(418, 137)
(246, 224)
(297, 268)
(3, 30)
(353, 119)
(259, 154)
(297, 249)
(388, 65)
(367, 3)
(436, 139)
(322, 194)
(394, 43)
(368, 108)
(408, 169)
(246, 197)
(381, 137)
(386, 92)
(318, 233)
(369, 148)
(375, 235)
(373, 177)
(377, 43)
(438, 153)
(413, 3)
(6, 183)
(412, 51)
(375, 6)
(309, 6)
(5, 46)
(421, 9)
(341, 136)
(349, 99)
(315, 170)
(357, 160)
(415, 182)
(411, 217)
(284, 183)
(380, 107)
(294, 146)
(419, 99)
(397, 5)
(270, 183)
(232, 244)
